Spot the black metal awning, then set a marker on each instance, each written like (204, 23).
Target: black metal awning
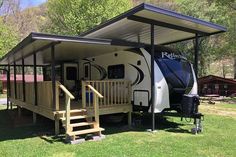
(69, 48)
(169, 26)
(130, 29)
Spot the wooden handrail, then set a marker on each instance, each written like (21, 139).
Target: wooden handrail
(69, 96)
(96, 96)
(66, 91)
(95, 91)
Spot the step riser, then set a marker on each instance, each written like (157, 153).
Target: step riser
(72, 111)
(87, 131)
(75, 125)
(86, 121)
(78, 114)
(75, 118)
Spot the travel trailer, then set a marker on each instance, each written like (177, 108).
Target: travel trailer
(174, 75)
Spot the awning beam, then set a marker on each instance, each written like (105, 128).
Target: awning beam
(191, 38)
(119, 42)
(39, 49)
(164, 24)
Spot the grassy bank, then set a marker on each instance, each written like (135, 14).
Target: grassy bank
(172, 139)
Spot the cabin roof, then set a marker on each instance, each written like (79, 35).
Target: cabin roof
(211, 78)
(128, 30)
(170, 26)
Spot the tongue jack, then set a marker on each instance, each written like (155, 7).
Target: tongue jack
(189, 107)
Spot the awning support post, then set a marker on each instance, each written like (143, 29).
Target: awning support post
(15, 80)
(23, 78)
(152, 76)
(35, 81)
(53, 76)
(196, 54)
(8, 85)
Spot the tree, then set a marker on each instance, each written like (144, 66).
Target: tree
(167, 4)
(231, 4)
(72, 17)
(214, 47)
(231, 12)
(8, 38)
(23, 21)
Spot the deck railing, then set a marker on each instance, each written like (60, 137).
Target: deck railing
(96, 96)
(44, 94)
(115, 92)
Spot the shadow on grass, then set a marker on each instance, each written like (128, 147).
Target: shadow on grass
(13, 128)
(142, 123)
(44, 128)
(54, 139)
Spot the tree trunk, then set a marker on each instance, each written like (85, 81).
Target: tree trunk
(223, 70)
(234, 67)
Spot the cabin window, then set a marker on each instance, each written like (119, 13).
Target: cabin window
(71, 73)
(116, 71)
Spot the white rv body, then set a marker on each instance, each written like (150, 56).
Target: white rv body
(137, 67)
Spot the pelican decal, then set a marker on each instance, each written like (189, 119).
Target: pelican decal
(140, 75)
(102, 71)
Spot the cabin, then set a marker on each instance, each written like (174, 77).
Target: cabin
(215, 85)
(68, 94)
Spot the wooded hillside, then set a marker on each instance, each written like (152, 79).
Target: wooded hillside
(71, 17)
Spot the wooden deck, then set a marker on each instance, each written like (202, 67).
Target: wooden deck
(109, 109)
(101, 98)
(74, 106)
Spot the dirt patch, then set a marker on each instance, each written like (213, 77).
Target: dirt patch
(218, 100)
(212, 109)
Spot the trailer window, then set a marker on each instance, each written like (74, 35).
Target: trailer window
(116, 71)
(71, 73)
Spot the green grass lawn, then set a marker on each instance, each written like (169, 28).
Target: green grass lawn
(172, 139)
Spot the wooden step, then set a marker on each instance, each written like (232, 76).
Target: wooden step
(72, 111)
(86, 131)
(74, 117)
(81, 124)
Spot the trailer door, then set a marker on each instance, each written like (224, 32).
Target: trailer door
(70, 75)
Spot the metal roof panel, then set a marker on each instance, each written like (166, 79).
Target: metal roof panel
(170, 26)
